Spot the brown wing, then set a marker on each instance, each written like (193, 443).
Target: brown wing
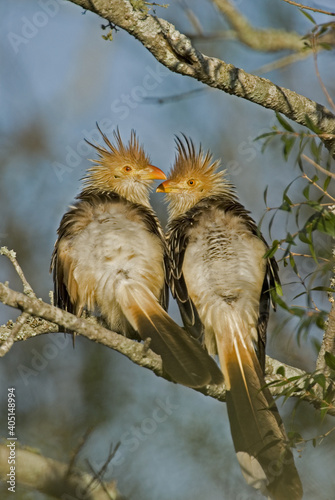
(68, 295)
(177, 240)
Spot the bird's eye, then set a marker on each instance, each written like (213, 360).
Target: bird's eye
(127, 168)
(191, 182)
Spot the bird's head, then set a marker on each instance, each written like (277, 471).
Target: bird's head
(194, 176)
(123, 169)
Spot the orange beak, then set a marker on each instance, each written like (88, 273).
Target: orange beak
(152, 173)
(166, 187)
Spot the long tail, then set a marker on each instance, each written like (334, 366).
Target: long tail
(184, 359)
(257, 430)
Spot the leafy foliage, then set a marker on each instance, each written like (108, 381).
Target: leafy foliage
(309, 386)
(309, 207)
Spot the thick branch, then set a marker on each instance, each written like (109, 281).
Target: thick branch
(138, 353)
(175, 51)
(52, 478)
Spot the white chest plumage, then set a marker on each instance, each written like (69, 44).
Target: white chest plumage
(114, 246)
(220, 270)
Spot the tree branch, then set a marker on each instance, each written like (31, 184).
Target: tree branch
(301, 6)
(51, 477)
(51, 317)
(175, 51)
(91, 330)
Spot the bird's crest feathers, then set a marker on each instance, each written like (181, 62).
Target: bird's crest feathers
(194, 176)
(120, 168)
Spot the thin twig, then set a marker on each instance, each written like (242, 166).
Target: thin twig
(48, 476)
(98, 475)
(77, 450)
(301, 6)
(302, 255)
(316, 165)
(305, 176)
(175, 97)
(12, 257)
(7, 344)
(191, 17)
(282, 62)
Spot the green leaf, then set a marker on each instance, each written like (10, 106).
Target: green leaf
(293, 264)
(270, 223)
(288, 393)
(325, 46)
(278, 289)
(313, 254)
(326, 183)
(320, 379)
(265, 195)
(285, 206)
(287, 199)
(299, 295)
(315, 205)
(315, 149)
(303, 237)
(270, 253)
(330, 360)
(296, 311)
(306, 191)
(267, 134)
(320, 322)
(296, 377)
(277, 300)
(322, 289)
(266, 142)
(294, 438)
(326, 223)
(284, 123)
(281, 371)
(307, 14)
(290, 239)
(288, 145)
(323, 411)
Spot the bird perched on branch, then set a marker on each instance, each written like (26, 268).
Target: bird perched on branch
(109, 256)
(221, 280)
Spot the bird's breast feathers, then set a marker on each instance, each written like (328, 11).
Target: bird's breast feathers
(223, 257)
(115, 243)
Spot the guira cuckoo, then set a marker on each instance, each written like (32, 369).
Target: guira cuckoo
(109, 256)
(221, 280)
